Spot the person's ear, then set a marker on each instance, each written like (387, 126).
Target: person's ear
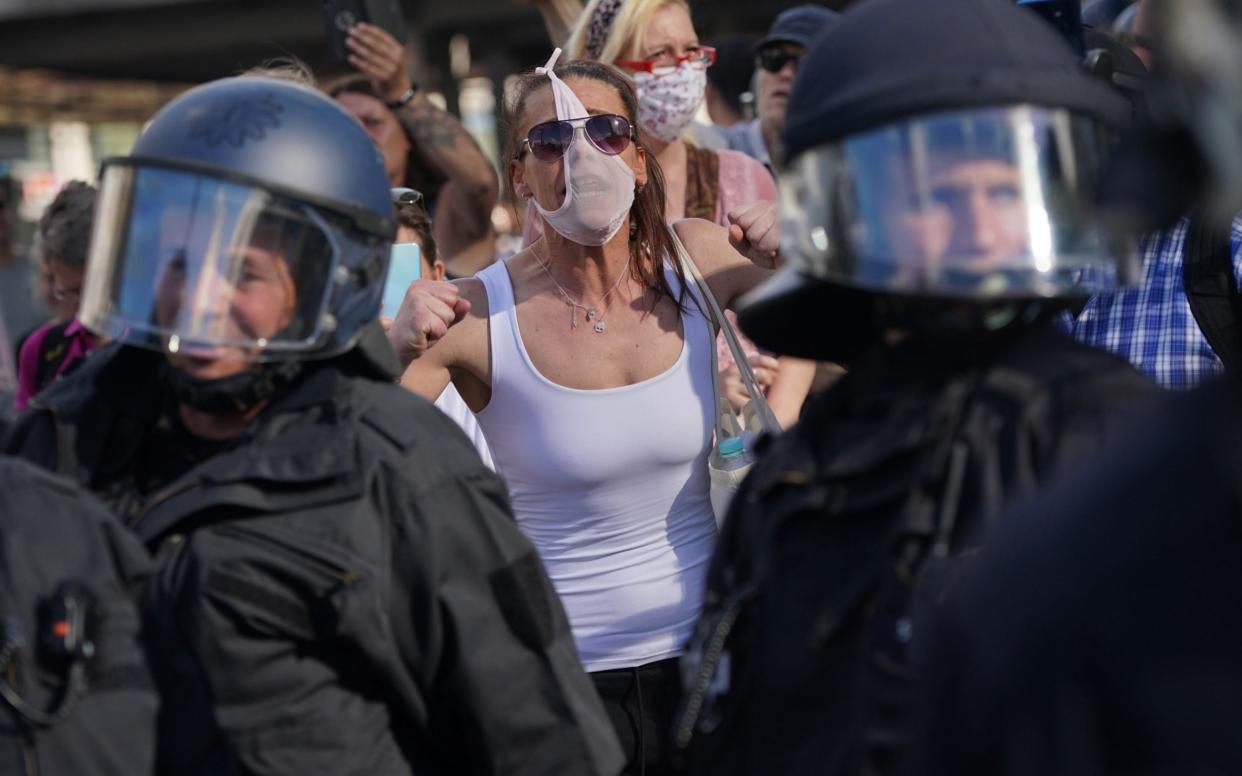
(640, 166)
(437, 270)
(517, 176)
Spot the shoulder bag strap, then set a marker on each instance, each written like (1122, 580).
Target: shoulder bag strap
(758, 400)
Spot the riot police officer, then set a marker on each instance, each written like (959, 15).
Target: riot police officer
(340, 585)
(1098, 631)
(937, 215)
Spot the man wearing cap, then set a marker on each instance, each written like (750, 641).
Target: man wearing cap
(777, 58)
(1098, 631)
(936, 208)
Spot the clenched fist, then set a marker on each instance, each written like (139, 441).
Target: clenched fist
(429, 309)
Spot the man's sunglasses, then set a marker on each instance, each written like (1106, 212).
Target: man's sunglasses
(550, 140)
(774, 59)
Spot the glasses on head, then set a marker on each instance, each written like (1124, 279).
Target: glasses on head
(405, 196)
(774, 59)
(700, 58)
(550, 140)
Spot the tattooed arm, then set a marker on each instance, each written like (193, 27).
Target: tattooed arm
(465, 202)
(450, 153)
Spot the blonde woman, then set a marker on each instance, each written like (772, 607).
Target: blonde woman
(655, 43)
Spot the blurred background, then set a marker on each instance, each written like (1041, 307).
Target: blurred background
(78, 77)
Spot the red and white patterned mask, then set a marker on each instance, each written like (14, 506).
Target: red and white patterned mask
(667, 103)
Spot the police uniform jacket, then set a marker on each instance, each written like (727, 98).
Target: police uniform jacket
(343, 590)
(1098, 632)
(849, 528)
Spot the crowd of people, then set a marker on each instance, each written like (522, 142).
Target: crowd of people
(485, 532)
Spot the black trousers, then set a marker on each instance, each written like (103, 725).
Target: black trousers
(641, 703)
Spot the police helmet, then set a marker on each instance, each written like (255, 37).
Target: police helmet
(938, 152)
(252, 213)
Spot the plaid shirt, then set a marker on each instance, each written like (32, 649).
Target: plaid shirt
(1151, 324)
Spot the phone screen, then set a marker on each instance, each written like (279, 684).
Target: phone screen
(405, 266)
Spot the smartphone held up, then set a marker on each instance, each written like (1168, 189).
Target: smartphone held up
(405, 266)
(340, 16)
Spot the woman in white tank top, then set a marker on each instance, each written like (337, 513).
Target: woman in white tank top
(589, 368)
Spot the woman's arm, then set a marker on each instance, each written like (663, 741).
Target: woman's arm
(789, 389)
(442, 142)
(728, 273)
(440, 336)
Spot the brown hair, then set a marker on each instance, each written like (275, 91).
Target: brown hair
(413, 216)
(417, 176)
(650, 238)
(64, 230)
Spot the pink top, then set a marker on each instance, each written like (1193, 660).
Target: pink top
(77, 342)
(742, 181)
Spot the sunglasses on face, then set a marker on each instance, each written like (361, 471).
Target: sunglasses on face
(774, 59)
(550, 140)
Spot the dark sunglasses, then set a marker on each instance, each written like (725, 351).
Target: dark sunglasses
(404, 196)
(774, 59)
(550, 140)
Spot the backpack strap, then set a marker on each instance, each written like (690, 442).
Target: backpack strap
(1212, 287)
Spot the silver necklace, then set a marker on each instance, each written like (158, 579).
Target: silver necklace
(592, 313)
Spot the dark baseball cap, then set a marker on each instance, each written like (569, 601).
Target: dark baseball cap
(799, 25)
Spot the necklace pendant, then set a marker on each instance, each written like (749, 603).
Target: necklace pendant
(590, 313)
(599, 327)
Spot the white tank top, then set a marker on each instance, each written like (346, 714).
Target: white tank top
(451, 404)
(610, 485)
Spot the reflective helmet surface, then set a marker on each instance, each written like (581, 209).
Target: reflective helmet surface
(251, 213)
(937, 151)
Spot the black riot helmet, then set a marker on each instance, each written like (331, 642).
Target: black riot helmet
(941, 155)
(253, 214)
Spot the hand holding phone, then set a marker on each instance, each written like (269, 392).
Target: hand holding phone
(341, 16)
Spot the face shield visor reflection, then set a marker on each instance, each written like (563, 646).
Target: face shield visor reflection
(988, 203)
(182, 261)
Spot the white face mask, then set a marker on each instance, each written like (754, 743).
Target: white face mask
(667, 103)
(599, 188)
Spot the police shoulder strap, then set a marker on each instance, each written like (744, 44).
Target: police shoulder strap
(1212, 287)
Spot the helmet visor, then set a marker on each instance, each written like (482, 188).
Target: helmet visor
(183, 261)
(983, 203)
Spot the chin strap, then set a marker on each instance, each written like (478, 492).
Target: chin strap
(237, 393)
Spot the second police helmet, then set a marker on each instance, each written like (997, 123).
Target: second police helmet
(938, 152)
(246, 192)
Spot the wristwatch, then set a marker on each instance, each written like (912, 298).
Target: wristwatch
(404, 99)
